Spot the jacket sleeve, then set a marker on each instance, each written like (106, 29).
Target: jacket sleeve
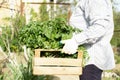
(98, 19)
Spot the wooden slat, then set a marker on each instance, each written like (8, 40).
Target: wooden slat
(37, 70)
(49, 49)
(37, 52)
(42, 2)
(65, 77)
(80, 54)
(57, 61)
(32, 1)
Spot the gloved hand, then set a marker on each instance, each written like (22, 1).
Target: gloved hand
(70, 46)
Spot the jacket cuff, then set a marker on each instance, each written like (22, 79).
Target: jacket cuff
(80, 38)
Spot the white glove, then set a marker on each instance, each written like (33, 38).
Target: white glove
(70, 46)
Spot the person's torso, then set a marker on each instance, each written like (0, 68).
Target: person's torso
(100, 52)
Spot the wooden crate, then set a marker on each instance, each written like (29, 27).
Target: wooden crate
(56, 66)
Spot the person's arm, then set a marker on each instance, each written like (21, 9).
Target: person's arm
(99, 15)
(99, 18)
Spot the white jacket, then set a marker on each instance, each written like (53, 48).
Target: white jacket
(95, 18)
